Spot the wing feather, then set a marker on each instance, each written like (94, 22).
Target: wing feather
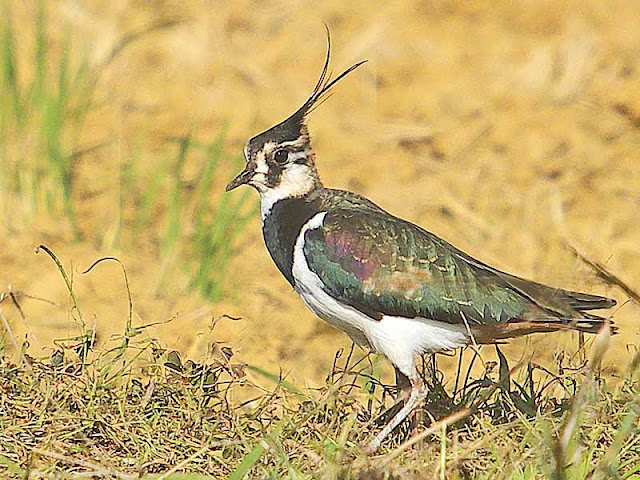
(382, 265)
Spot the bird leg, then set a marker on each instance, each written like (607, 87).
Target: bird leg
(403, 385)
(416, 394)
(403, 390)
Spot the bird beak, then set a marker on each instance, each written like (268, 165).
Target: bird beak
(242, 178)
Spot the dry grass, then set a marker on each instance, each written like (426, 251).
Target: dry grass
(133, 409)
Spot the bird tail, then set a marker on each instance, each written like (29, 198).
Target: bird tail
(559, 309)
(558, 299)
(585, 301)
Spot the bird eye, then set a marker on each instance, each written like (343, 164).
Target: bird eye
(281, 156)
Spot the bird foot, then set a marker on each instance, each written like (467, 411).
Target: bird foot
(417, 394)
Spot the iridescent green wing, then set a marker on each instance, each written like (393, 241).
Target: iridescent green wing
(382, 265)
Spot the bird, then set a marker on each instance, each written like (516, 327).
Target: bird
(393, 287)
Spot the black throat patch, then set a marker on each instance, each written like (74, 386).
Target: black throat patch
(281, 228)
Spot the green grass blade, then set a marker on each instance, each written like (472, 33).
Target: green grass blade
(214, 152)
(288, 386)
(11, 466)
(40, 57)
(10, 70)
(149, 197)
(254, 455)
(248, 462)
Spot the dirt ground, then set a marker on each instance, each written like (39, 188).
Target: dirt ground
(504, 127)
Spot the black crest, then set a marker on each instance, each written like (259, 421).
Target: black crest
(294, 127)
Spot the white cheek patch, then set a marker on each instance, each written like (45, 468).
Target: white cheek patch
(296, 180)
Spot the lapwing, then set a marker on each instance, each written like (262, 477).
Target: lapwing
(390, 285)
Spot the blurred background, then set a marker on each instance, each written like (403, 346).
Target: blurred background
(507, 128)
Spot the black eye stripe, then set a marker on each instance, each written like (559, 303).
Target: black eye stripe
(273, 177)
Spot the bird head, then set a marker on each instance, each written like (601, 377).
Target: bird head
(280, 161)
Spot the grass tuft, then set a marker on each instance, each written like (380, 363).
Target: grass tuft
(131, 409)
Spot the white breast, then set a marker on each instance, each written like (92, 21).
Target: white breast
(398, 338)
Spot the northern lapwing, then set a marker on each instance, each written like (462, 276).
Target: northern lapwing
(390, 285)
